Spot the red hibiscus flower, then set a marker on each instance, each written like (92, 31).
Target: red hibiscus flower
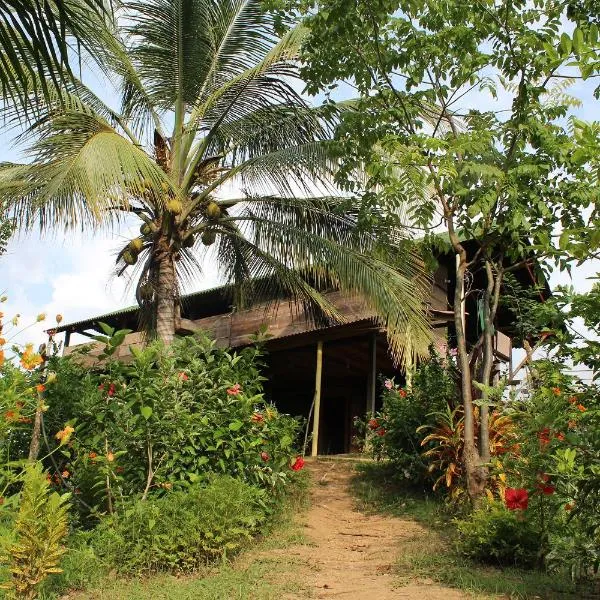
(111, 389)
(547, 490)
(381, 431)
(402, 393)
(560, 436)
(516, 499)
(265, 456)
(234, 390)
(373, 423)
(544, 436)
(257, 418)
(297, 464)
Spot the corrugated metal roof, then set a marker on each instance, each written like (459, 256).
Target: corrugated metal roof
(130, 309)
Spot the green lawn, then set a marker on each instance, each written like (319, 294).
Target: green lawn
(431, 554)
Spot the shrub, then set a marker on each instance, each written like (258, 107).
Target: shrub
(166, 420)
(393, 434)
(40, 526)
(181, 530)
(493, 534)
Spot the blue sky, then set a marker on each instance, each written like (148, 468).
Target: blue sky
(73, 274)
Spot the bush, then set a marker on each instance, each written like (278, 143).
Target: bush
(493, 534)
(182, 530)
(166, 420)
(393, 434)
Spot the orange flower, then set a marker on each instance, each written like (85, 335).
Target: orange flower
(40, 387)
(581, 407)
(573, 399)
(572, 424)
(234, 390)
(110, 457)
(560, 436)
(92, 455)
(570, 506)
(257, 418)
(556, 391)
(30, 359)
(24, 420)
(2, 357)
(402, 393)
(64, 434)
(2, 341)
(65, 474)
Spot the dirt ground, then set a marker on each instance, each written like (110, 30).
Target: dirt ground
(350, 554)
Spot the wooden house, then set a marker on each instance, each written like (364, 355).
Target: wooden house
(343, 361)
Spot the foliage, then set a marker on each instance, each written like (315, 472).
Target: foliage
(226, 116)
(557, 463)
(40, 527)
(463, 113)
(182, 530)
(166, 419)
(445, 444)
(393, 433)
(496, 535)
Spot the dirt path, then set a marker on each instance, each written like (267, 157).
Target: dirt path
(350, 554)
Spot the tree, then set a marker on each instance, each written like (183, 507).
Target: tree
(37, 38)
(216, 75)
(464, 118)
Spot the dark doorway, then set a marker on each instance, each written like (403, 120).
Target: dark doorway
(344, 393)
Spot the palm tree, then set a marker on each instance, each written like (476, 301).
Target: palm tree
(38, 37)
(210, 102)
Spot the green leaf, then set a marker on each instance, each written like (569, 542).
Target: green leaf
(146, 412)
(565, 44)
(236, 425)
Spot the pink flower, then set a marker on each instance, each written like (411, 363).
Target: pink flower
(516, 499)
(265, 456)
(389, 384)
(234, 390)
(183, 376)
(453, 352)
(111, 389)
(297, 464)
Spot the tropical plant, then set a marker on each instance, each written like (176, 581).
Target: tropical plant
(40, 527)
(245, 168)
(41, 38)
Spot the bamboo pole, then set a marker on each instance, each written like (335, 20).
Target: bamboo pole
(317, 401)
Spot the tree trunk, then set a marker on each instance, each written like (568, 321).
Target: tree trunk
(476, 473)
(34, 445)
(167, 297)
(486, 370)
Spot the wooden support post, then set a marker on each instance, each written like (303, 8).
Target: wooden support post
(317, 400)
(372, 374)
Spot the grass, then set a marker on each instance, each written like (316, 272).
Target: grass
(431, 554)
(263, 571)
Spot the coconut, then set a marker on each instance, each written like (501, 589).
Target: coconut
(136, 245)
(213, 211)
(129, 257)
(189, 241)
(145, 229)
(175, 206)
(209, 237)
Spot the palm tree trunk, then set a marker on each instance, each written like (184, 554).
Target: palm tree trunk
(167, 298)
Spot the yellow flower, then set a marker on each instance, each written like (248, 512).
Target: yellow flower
(51, 377)
(64, 434)
(41, 317)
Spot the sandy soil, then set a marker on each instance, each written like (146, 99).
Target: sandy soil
(350, 554)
